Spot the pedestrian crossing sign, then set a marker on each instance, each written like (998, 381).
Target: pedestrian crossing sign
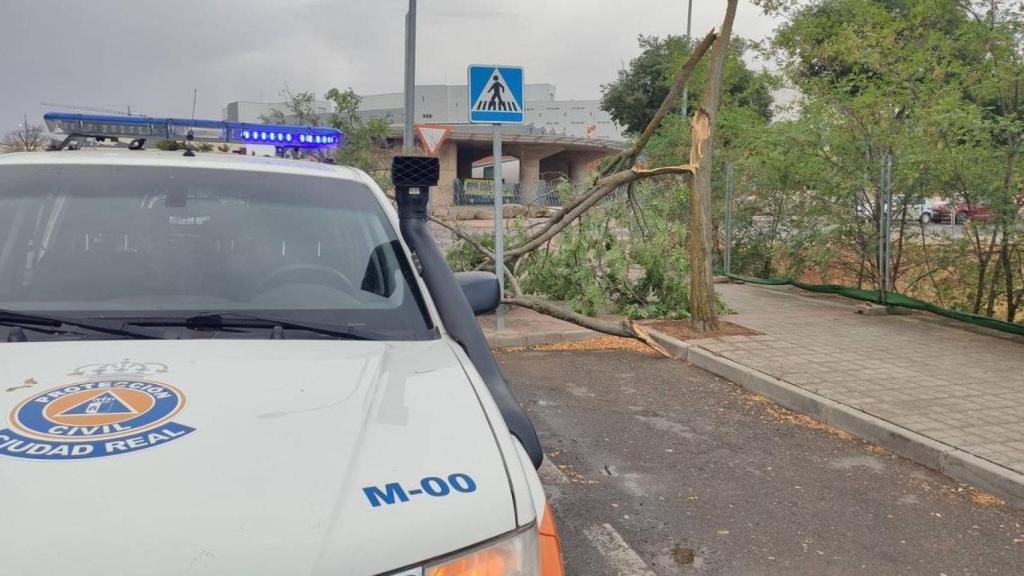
(496, 95)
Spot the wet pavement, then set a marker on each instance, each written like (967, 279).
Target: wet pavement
(657, 467)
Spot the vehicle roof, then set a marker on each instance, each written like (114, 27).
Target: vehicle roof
(209, 160)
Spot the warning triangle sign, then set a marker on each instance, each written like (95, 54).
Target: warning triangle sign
(432, 137)
(106, 403)
(497, 97)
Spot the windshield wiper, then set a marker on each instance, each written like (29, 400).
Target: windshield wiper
(231, 320)
(56, 324)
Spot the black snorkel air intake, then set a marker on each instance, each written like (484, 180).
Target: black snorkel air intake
(413, 176)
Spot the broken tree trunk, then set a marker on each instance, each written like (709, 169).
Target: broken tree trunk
(619, 171)
(703, 313)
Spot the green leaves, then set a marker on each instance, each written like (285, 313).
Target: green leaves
(634, 97)
(617, 260)
(365, 142)
(365, 145)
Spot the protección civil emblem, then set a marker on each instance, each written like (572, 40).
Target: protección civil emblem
(118, 411)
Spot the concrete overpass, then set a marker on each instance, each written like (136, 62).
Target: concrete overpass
(542, 156)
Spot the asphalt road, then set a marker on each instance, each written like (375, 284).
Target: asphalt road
(662, 468)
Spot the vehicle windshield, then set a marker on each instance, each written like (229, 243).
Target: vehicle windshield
(152, 243)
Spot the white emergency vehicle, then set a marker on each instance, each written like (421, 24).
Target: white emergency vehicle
(219, 364)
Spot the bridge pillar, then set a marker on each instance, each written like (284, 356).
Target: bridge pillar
(579, 169)
(529, 177)
(529, 168)
(448, 157)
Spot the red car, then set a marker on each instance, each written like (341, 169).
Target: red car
(964, 212)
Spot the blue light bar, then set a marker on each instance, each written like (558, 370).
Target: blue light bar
(280, 135)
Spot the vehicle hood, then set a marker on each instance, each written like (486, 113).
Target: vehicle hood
(277, 461)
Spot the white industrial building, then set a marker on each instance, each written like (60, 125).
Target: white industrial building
(561, 139)
(439, 104)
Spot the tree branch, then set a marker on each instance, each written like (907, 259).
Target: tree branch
(623, 329)
(468, 238)
(511, 279)
(610, 179)
(629, 155)
(606, 186)
(665, 170)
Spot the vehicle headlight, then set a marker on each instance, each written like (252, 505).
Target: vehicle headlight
(512, 555)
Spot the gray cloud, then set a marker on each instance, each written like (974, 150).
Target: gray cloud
(149, 54)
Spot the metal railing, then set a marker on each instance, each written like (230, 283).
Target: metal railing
(479, 192)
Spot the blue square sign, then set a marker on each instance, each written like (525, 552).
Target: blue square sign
(496, 94)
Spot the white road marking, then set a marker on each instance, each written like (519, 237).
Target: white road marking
(614, 549)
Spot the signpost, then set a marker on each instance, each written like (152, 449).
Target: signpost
(728, 219)
(885, 231)
(496, 97)
(410, 78)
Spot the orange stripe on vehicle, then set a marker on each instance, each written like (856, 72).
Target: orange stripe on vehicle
(550, 545)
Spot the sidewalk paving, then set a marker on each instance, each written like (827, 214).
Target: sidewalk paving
(928, 388)
(955, 386)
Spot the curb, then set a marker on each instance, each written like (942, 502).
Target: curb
(518, 339)
(943, 458)
(677, 348)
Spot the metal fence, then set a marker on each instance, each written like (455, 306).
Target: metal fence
(472, 192)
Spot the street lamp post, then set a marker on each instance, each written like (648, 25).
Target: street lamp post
(410, 78)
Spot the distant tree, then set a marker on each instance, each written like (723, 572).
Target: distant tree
(26, 138)
(634, 97)
(365, 142)
(299, 108)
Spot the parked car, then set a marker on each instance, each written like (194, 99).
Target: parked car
(923, 211)
(963, 212)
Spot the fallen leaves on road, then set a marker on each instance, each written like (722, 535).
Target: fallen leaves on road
(987, 500)
(782, 415)
(878, 450)
(573, 475)
(599, 344)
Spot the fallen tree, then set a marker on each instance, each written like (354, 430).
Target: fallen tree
(621, 171)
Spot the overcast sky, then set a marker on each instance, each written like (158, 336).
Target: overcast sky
(151, 54)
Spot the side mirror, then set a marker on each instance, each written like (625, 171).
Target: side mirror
(481, 289)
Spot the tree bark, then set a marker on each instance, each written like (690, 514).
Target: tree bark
(704, 315)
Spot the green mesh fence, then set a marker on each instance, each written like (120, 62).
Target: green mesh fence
(892, 299)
